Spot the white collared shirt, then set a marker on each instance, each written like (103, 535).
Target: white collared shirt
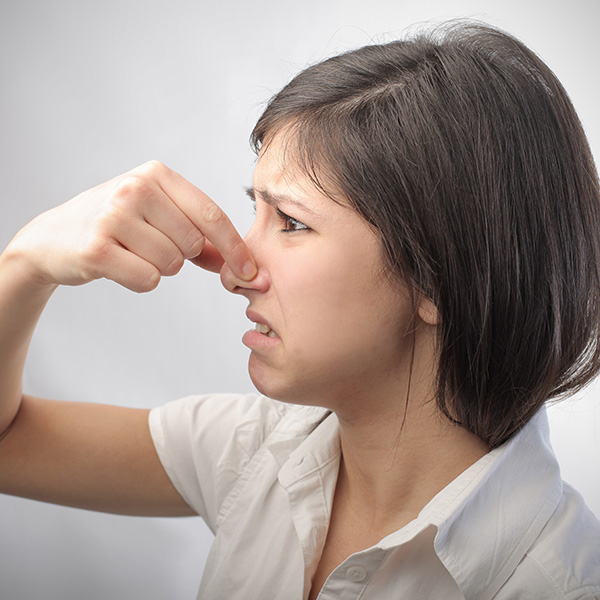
(263, 473)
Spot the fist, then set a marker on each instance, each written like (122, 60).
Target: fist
(133, 229)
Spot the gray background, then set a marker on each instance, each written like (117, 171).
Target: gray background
(91, 89)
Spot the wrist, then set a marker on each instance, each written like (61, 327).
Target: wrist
(18, 268)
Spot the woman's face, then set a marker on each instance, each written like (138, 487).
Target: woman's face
(330, 326)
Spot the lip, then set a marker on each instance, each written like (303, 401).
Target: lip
(258, 318)
(255, 340)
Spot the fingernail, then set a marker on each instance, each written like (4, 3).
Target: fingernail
(249, 270)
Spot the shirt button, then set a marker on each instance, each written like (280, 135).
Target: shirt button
(356, 573)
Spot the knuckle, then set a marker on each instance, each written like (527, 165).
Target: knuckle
(227, 278)
(98, 251)
(130, 189)
(174, 265)
(212, 213)
(237, 246)
(95, 256)
(238, 249)
(154, 167)
(194, 245)
(108, 222)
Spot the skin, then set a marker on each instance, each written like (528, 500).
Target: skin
(348, 339)
(342, 329)
(133, 229)
(345, 338)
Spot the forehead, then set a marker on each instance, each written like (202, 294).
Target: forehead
(278, 165)
(280, 172)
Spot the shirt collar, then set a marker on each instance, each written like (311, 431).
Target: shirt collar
(486, 519)
(308, 443)
(491, 514)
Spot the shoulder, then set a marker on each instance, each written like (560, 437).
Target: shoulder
(247, 418)
(218, 421)
(564, 560)
(207, 443)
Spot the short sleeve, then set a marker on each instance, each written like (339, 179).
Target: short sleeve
(205, 442)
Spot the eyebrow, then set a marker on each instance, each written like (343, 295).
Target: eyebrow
(274, 199)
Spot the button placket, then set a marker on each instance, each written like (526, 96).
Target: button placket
(356, 573)
(349, 580)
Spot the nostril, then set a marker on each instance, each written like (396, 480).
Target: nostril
(260, 283)
(236, 285)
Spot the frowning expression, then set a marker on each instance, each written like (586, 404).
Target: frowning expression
(330, 326)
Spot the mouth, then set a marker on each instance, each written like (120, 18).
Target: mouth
(265, 330)
(261, 338)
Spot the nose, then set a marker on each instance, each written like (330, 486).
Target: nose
(234, 284)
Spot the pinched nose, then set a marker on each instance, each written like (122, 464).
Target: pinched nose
(236, 285)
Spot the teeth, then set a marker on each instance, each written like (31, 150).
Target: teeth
(265, 330)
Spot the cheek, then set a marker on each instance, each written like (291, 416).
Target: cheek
(328, 295)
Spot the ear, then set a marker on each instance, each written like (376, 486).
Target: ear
(428, 311)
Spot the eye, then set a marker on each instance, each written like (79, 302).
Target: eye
(290, 224)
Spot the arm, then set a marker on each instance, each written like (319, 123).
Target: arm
(133, 230)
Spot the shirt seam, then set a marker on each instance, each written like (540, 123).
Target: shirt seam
(561, 593)
(319, 468)
(246, 473)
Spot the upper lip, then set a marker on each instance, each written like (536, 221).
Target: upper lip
(258, 318)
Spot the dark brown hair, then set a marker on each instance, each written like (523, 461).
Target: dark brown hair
(465, 153)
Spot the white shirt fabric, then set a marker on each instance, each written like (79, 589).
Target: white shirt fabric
(263, 473)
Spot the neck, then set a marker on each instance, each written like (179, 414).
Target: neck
(391, 476)
(398, 455)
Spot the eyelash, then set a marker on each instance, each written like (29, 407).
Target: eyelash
(290, 224)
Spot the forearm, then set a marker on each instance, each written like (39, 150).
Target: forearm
(133, 230)
(93, 456)
(22, 300)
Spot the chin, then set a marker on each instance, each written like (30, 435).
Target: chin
(283, 391)
(276, 392)
(318, 387)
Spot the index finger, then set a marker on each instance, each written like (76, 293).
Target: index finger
(209, 218)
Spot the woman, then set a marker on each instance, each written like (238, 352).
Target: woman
(423, 273)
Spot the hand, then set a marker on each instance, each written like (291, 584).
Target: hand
(133, 229)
